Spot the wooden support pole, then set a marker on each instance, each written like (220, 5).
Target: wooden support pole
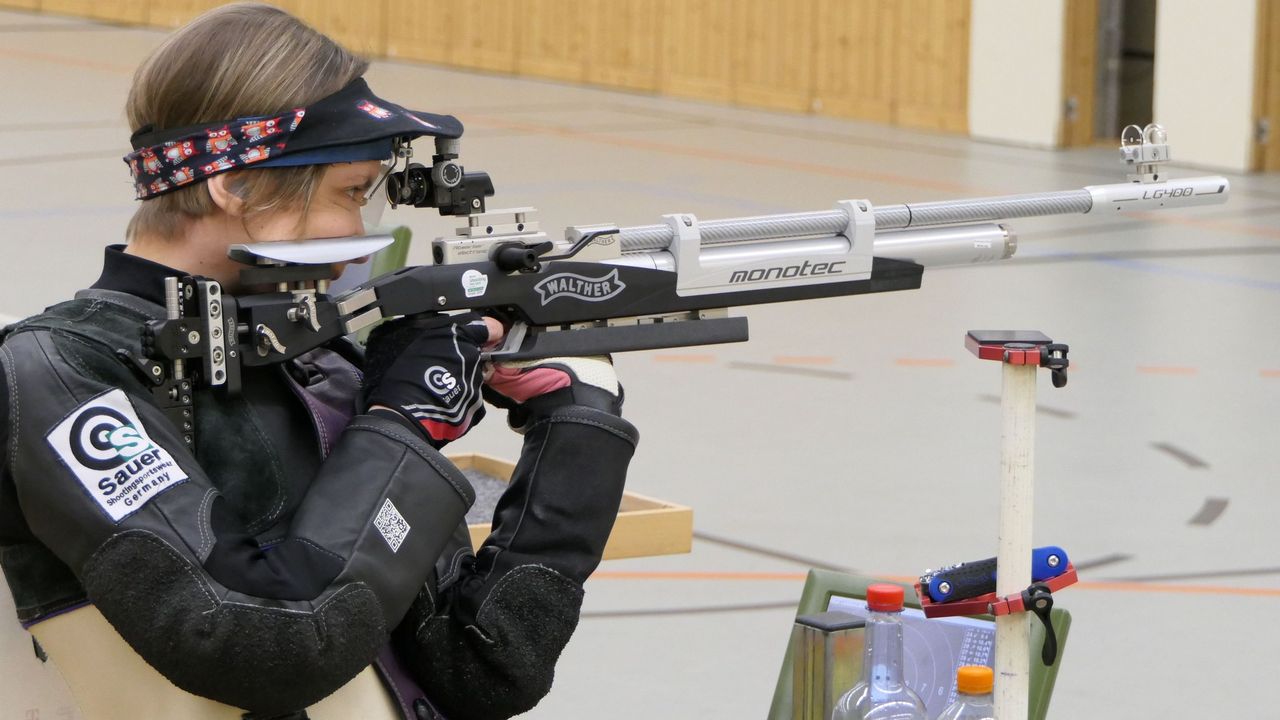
(1013, 560)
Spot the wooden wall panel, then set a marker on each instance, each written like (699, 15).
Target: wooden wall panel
(1079, 72)
(696, 49)
(773, 53)
(853, 59)
(358, 26)
(21, 4)
(80, 8)
(553, 43)
(486, 35)
(623, 43)
(898, 61)
(931, 65)
(421, 30)
(121, 11)
(1266, 90)
(289, 6)
(174, 13)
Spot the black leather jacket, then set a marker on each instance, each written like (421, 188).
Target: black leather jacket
(271, 565)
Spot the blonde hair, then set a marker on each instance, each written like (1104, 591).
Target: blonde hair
(239, 60)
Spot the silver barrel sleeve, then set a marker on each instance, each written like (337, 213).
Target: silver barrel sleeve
(930, 247)
(951, 245)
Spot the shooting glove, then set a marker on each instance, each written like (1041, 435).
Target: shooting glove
(530, 390)
(425, 372)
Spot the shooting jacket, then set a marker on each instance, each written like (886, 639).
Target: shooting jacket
(297, 543)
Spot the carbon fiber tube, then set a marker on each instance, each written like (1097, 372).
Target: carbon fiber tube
(648, 238)
(950, 212)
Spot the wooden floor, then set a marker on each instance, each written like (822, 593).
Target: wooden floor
(850, 433)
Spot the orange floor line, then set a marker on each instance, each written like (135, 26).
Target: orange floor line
(1270, 373)
(696, 575)
(1165, 589)
(924, 362)
(67, 61)
(803, 360)
(684, 358)
(1166, 370)
(1177, 589)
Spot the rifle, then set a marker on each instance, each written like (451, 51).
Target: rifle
(605, 289)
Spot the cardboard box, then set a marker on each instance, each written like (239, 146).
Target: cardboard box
(645, 526)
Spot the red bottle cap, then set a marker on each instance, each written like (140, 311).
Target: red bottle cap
(884, 598)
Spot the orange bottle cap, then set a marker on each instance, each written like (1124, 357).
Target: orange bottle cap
(975, 679)
(884, 598)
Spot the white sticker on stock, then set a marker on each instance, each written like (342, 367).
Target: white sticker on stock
(106, 447)
(392, 525)
(474, 283)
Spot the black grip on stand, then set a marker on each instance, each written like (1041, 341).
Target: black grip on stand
(1039, 600)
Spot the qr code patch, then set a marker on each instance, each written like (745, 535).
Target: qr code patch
(392, 525)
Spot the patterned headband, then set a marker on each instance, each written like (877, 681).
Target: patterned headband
(157, 169)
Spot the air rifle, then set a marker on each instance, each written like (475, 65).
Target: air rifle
(603, 288)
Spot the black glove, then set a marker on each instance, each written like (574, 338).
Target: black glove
(532, 389)
(425, 371)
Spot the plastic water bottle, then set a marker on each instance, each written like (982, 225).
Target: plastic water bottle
(882, 694)
(973, 695)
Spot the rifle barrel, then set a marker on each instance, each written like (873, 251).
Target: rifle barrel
(1123, 196)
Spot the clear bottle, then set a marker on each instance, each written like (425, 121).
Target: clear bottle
(882, 694)
(973, 695)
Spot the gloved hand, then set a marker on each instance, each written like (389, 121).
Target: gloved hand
(426, 372)
(531, 389)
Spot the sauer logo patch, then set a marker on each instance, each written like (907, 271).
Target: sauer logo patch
(105, 446)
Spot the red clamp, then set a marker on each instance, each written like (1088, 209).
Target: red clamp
(1020, 347)
(1037, 599)
(990, 603)
(1025, 602)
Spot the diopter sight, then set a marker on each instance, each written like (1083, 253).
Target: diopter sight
(444, 185)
